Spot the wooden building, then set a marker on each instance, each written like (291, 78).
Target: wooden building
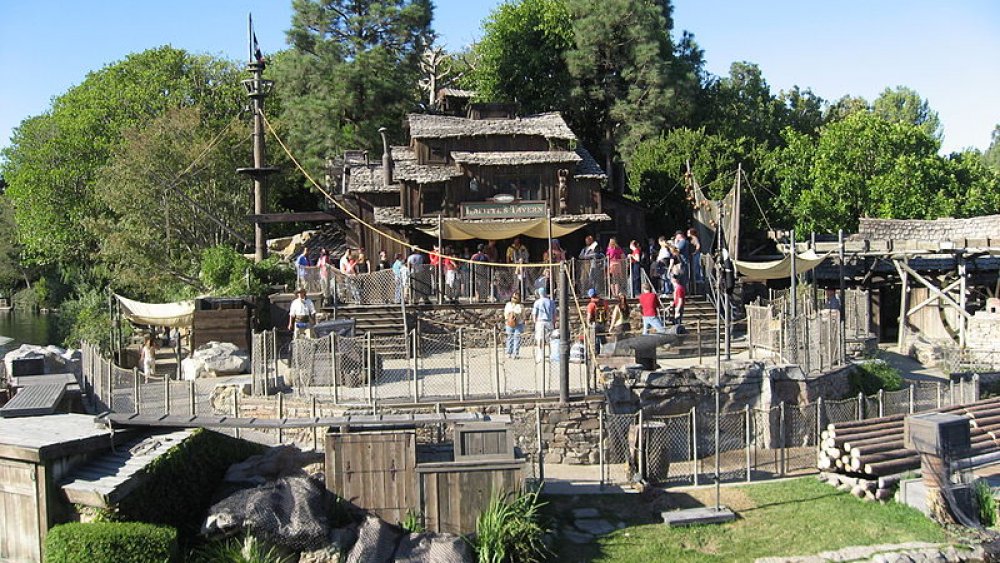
(491, 175)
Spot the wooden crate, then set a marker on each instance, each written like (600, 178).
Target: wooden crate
(454, 494)
(221, 325)
(375, 471)
(484, 441)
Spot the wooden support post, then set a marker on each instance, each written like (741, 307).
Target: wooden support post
(697, 329)
(333, 368)
(641, 442)
(369, 367)
(962, 303)
(236, 409)
(694, 446)
(938, 385)
(192, 404)
(541, 448)
(912, 406)
(748, 442)
(600, 445)
(135, 390)
(819, 423)
(496, 364)
(781, 432)
(904, 305)
(281, 417)
(861, 405)
(881, 403)
(314, 413)
(461, 365)
(415, 338)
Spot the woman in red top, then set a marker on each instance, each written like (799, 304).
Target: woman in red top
(616, 265)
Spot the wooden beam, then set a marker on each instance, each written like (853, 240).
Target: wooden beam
(305, 217)
(944, 297)
(932, 298)
(904, 299)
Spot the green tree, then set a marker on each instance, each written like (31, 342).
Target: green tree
(904, 105)
(353, 67)
(843, 107)
(620, 64)
(11, 272)
(172, 191)
(520, 58)
(992, 155)
(742, 105)
(864, 166)
(53, 159)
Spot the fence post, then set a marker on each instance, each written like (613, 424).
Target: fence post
(192, 406)
(861, 405)
(274, 358)
(694, 445)
(281, 415)
(166, 394)
(881, 403)
(461, 365)
(642, 449)
(333, 367)
(236, 409)
(314, 413)
(538, 437)
(951, 391)
(370, 367)
(819, 420)
(697, 326)
(135, 390)
(748, 446)
(781, 431)
(961, 390)
(938, 386)
(975, 387)
(496, 363)
(600, 446)
(911, 399)
(413, 384)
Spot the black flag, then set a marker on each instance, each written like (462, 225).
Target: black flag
(255, 54)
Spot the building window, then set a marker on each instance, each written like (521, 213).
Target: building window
(521, 187)
(432, 199)
(436, 155)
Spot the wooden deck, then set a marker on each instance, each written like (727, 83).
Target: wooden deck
(103, 482)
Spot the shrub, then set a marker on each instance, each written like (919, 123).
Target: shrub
(985, 503)
(235, 550)
(510, 529)
(181, 482)
(224, 271)
(413, 523)
(86, 318)
(110, 542)
(870, 376)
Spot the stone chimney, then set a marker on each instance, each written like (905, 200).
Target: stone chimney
(386, 159)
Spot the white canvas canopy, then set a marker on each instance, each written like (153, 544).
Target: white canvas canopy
(498, 230)
(172, 315)
(778, 269)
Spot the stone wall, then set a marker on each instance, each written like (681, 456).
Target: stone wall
(972, 229)
(571, 432)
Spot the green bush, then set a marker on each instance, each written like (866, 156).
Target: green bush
(181, 482)
(510, 529)
(236, 550)
(86, 318)
(224, 271)
(985, 503)
(870, 376)
(110, 542)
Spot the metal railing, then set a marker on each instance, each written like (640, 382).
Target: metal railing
(753, 443)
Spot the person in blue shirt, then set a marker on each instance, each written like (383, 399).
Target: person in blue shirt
(543, 312)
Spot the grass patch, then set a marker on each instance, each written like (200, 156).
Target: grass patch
(781, 518)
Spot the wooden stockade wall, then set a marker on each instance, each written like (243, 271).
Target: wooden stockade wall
(378, 472)
(221, 325)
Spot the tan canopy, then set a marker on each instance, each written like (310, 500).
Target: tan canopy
(777, 269)
(171, 315)
(499, 230)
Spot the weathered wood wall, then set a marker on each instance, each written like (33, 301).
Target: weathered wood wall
(374, 471)
(21, 523)
(222, 325)
(456, 493)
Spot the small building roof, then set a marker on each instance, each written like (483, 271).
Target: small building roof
(424, 173)
(588, 168)
(455, 93)
(549, 125)
(514, 158)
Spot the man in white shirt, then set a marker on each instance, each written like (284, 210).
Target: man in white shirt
(301, 315)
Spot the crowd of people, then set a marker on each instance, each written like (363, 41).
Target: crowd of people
(658, 274)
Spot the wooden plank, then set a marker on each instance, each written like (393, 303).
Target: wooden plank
(34, 400)
(303, 217)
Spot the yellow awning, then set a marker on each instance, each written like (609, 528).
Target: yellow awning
(778, 269)
(499, 230)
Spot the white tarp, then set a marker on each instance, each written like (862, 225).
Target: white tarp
(172, 315)
(778, 269)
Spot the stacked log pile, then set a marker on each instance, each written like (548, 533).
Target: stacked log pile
(865, 456)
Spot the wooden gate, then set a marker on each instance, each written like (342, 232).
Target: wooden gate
(19, 516)
(375, 471)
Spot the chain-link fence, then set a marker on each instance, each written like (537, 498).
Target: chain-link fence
(753, 443)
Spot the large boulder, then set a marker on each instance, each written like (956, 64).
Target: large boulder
(433, 548)
(276, 462)
(57, 360)
(215, 358)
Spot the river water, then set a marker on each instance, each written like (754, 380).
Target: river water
(22, 327)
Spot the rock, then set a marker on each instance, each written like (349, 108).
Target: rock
(57, 360)
(586, 513)
(276, 462)
(433, 548)
(594, 526)
(576, 537)
(215, 358)
(377, 541)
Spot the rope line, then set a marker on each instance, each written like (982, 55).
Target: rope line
(384, 234)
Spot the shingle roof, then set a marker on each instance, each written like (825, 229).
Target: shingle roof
(368, 179)
(588, 167)
(508, 158)
(455, 93)
(425, 173)
(549, 125)
(394, 216)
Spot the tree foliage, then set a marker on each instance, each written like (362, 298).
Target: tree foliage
(868, 166)
(992, 155)
(354, 67)
(520, 58)
(53, 161)
(905, 105)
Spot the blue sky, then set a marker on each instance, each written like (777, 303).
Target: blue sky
(945, 50)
